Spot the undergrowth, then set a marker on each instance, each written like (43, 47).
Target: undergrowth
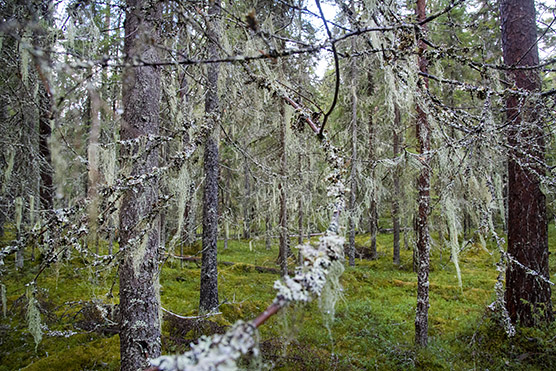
(372, 329)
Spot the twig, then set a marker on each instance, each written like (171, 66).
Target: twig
(336, 67)
(190, 317)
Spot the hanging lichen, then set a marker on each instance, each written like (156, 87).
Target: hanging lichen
(18, 214)
(32, 211)
(70, 32)
(138, 248)
(498, 187)
(181, 190)
(216, 352)
(24, 58)
(453, 229)
(4, 300)
(331, 293)
(33, 315)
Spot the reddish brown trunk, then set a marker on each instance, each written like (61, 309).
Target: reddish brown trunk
(527, 295)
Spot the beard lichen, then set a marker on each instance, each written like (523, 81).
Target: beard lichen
(33, 315)
(4, 300)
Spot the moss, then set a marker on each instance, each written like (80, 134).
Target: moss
(373, 327)
(101, 354)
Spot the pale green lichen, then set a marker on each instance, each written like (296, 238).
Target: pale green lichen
(217, 352)
(18, 213)
(24, 57)
(319, 275)
(32, 211)
(453, 228)
(138, 249)
(4, 300)
(311, 278)
(331, 293)
(33, 315)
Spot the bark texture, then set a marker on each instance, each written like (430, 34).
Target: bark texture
(247, 203)
(423, 184)
(209, 271)
(46, 188)
(300, 206)
(93, 169)
(283, 220)
(396, 190)
(353, 170)
(139, 224)
(527, 295)
(373, 206)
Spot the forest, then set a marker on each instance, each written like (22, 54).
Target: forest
(277, 184)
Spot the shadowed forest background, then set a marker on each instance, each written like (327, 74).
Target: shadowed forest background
(288, 184)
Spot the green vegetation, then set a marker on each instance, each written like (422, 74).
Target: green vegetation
(373, 327)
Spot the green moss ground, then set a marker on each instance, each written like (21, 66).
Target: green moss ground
(373, 327)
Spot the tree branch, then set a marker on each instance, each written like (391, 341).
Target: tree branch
(336, 67)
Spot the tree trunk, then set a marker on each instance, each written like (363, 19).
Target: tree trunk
(46, 188)
(209, 271)
(423, 237)
(527, 295)
(353, 170)
(373, 207)
(139, 224)
(268, 230)
(189, 234)
(19, 256)
(396, 191)
(247, 205)
(300, 207)
(93, 169)
(284, 241)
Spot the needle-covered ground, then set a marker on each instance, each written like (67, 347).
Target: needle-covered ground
(372, 329)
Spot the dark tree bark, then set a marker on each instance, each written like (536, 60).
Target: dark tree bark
(396, 190)
(527, 295)
(45, 131)
(209, 271)
(46, 188)
(423, 237)
(139, 223)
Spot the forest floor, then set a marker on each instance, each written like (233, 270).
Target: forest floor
(372, 329)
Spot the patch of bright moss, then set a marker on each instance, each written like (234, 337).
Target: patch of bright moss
(101, 354)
